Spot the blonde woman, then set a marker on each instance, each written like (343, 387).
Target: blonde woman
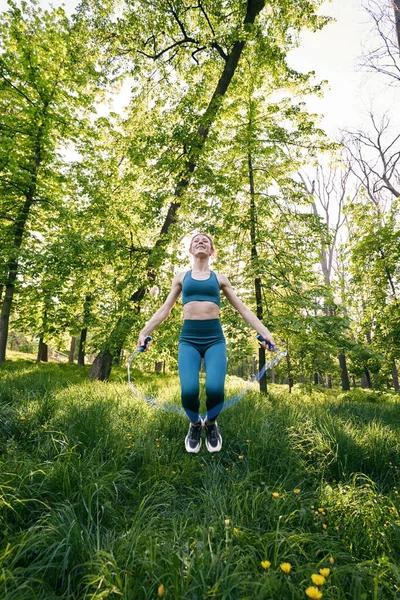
(202, 337)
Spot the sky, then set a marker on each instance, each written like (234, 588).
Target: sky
(333, 54)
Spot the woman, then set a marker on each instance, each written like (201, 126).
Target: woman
(202, 337)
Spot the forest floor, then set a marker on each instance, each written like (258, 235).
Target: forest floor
(98, 498)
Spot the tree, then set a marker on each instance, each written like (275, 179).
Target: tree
(48, 79)
(214, 39)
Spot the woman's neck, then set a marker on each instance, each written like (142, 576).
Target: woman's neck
(201, 265)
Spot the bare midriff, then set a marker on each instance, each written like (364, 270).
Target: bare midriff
(200, 310)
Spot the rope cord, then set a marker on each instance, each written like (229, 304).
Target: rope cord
(178, 410)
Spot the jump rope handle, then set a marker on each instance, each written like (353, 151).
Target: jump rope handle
(146, 341)
(270, 346)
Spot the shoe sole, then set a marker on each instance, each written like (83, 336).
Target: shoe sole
(189, 449)
(212, 449)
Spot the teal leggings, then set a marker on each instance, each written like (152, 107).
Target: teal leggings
(202, 339)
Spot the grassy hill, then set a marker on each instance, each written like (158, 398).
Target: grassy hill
(98, 498)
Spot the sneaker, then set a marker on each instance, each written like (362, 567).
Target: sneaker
(193, 438)
(213, 437)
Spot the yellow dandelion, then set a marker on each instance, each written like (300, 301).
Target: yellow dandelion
(324, 525)
(285, 567)
(297, 491)
(227, 521)
(325, 572)
(321, 510)
(275, 494)
(313, 593)
(236, 531)
(241, 457)
(22, 418)
(161, 591)
(265, 564)
(331, 560)
(317, 579)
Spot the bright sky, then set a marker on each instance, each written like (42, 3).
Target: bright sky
(333, 54)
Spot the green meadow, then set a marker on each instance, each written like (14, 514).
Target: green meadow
(98, 498)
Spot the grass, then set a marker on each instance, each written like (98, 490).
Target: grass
(98, 498)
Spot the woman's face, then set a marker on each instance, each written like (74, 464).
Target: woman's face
(201, 246)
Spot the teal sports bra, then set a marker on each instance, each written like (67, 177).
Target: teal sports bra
(205, 290)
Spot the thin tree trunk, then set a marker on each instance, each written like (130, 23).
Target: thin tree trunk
(254, 261)
(396, 6)
(289, 368)
(328, 381)
(395, 376)
(13, 263)
(343, 372)
(72, 346)
(81, 349)
(101, 367)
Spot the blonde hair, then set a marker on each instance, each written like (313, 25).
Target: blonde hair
(214, 252)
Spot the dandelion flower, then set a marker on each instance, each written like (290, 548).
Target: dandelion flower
(22, 418)
(313, 593)
(321, 510)
(331, 560)
(317, 579)
(236, 531)
(297, 491)
(265, 564)
(241, 457)
(325, 572)
(275, 494)
(161, 591)
(285, 567)
(227, 521)
(324, 525)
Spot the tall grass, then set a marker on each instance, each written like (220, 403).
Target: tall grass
(98, 498)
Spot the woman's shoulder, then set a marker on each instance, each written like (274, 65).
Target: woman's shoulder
(180, 276)
(221, 278)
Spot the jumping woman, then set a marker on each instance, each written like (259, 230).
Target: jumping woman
(202, 337)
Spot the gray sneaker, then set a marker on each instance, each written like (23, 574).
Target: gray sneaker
(213, 437)
(193, 438)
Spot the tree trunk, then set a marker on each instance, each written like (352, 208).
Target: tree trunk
(316, 379)
(396, 6)
(13, 263)
(395, 376)
(254, 261)
(71, 354)
(81, 349)
(328, 381)
(366, 380)
(43, 352)
(343, 372)
(289, 369)
(101, 366)
(193, 152)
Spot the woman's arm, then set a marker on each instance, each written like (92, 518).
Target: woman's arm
(164, 311)
(245, 312)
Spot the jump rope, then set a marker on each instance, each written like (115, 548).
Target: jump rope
(174, 408)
